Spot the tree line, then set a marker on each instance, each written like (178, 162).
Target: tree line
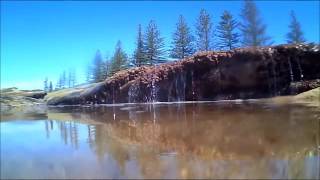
(227, 34)
(66, 80)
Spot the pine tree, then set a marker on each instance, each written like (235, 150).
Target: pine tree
(132, 62)
(58, 84)
(45, 83)
(50, 86)
(228, 38)
(119, 60)
(107, 68)
(97, 69)
(62, 81)
(182, 44)
(253, 30)
(89, 73)
(295, 36)
(74, 80)
(139, 56)
(154, 44)
(204, 31)
(71, 78)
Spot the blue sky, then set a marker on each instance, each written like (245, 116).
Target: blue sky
(43, 38)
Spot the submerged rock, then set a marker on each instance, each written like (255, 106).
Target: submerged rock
(240, 73)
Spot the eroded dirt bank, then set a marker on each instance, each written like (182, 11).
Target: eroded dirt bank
(241, 73)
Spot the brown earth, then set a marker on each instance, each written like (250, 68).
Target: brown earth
(241, 73)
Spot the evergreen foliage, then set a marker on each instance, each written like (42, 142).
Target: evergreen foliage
(182, 44)
(45, 84)
(50, 87)
(71, 78)
(204, 31)
(119, 61)
(295, 36)
(139, 56)
(154, 45)
(228, 38)
(253, 30)
(98, 67)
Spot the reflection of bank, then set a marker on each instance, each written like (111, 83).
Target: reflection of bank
(318, 143)
(202, 141)
(186, 130)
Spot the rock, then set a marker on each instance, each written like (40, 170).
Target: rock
(240, 73)
(37, 95)
(302, 86)
(73, 96)
(12, 97)
(311, 97)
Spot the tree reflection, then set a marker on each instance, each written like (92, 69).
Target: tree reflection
(91, 135)
(205, 141)
(48, 127)
(68, 131)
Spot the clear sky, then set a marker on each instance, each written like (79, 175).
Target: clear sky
(42, 38)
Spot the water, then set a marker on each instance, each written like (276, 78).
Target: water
(291, 72)
(300, 69)
(226, 139)
(180, 87)
(153, 92)
(193, 86)
(274, 74)
(133, 93)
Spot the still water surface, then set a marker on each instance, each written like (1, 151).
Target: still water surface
(182, 140)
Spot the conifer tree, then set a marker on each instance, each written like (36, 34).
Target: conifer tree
(228, 38)
(50, 86)
(74, 78)
(71, 78)
(139, 56)
(63, 80)
(58, 85)
(119, 61)
(45, 83)
(105, 68)
(182, 44)
(89, 74)
(97, 68)
(204, 31)
(253, 30)
(154, 45)
(295, 36)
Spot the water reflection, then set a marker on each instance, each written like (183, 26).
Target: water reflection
(208, 140)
